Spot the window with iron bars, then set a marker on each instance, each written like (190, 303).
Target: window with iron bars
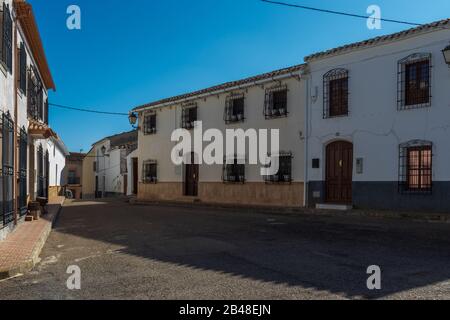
(234, 170)
(284, 174)
(23, 69)
(189, 116)
(335, 93)
(35, 96)
(414, 81)
(6, 41)
(46, 174)
(7, 173)
(275, 104)
(149, 124)
(23, 154)
(416, 167)
(150, 171)
(234, 108)
(40, 172)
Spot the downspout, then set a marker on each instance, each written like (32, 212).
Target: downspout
(16, 158)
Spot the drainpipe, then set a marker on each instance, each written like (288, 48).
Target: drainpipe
(16, 158)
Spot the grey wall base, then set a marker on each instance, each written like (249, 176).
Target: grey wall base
(385, 196)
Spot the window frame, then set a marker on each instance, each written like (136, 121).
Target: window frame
(230, 114)
(236, 169)
(149, 124)
(189, 115)
(404, 65)
(147, 166)
(6, 41)
(281, 177)
(270, 110)
(339, 76)
(422, 172)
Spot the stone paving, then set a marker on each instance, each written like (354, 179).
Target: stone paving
(19, 252)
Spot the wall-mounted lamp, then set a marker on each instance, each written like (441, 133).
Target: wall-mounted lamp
(103, 149)
(446, 53)
(133, 119)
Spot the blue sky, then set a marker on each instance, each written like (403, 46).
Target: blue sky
(132, 52)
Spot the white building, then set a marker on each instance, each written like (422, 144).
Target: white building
(24, 80)
(378, 119)
(110, 166)
(57, 165)
(273, 100)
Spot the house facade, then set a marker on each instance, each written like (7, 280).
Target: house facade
(271, 101)
(110, 165)
(378, 118)
(57, 167)
(74, 174)
(25, 79)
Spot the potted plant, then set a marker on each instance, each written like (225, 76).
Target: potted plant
(282, 111)
(241, 178)
(240, 116)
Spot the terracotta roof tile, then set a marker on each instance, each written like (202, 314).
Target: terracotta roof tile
(224, 86)
(444, 24)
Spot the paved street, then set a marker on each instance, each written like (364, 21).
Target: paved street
(164, 252)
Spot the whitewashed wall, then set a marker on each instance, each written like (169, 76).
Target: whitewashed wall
(211, 112)
(374, 124)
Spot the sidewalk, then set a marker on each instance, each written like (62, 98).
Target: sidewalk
(21, 249)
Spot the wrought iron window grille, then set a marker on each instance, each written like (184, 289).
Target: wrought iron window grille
(276, 102)
(35, 96)
(284, 174)
(7, 172)
(150, 172)
(6, 41)
(234, 108)
(336, 93)
(234, 170)
(414, 81)
(416, 168)
(23, 155)
(189, 115)
(149, 126)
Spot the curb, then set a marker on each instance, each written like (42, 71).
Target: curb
(29, 264)
(380, 214)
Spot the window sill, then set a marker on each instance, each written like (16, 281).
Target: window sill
(272, 117)
(228, 121)
(414, 106)
(337, 116)
(150, 182)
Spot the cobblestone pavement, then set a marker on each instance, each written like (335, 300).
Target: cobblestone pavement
(169, 252)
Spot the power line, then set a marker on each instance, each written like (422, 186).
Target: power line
(88, 110)
(340, 13)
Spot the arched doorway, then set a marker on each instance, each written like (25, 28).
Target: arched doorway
(339, 172)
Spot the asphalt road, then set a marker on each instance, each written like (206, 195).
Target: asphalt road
(164, 252)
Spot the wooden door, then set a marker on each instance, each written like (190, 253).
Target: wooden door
(191, 178)
(135, 175)
(125, 184)
(339, 172)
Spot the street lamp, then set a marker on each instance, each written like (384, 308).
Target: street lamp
(446, 53)
(133, 119)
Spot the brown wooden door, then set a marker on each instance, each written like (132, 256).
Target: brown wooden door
(339, 172)
(135, 175)
(125, 184)
(191, 178)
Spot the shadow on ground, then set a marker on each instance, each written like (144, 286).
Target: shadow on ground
(324, 253)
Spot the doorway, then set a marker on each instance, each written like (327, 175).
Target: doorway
(191, 178)
(339, 172)
(135, 175)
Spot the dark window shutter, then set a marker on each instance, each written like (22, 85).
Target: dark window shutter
(7, 38)
(46, 111)
(23, 68)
